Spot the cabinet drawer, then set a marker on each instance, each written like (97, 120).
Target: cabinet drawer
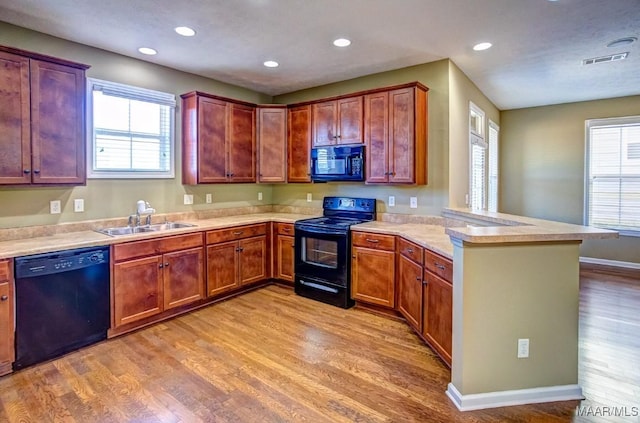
(284, 228)
(238, 232)
(156, 246)
(411, 250)
(438, 265)
(376, 241)
(4, 270)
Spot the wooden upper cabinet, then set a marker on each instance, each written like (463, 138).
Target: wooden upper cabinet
(396, 136)
(218, 140)
(338, 121)
(299, 144)
(272, 144)
(42, 121)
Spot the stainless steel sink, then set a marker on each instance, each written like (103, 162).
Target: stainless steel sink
(130, 230)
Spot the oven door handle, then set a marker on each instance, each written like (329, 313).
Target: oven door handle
(321, 231)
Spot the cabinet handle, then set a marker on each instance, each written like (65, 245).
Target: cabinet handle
(410, 250)
(231, 174)
(425, 282)
(286, 229)
(241, 249)
(27, 171)
(438, 265)
(238, 233)
(375, 241)
(353, 256)
(166, 265)
(339, 136)
(36, 171)
(160, 266)
(418, 278)
(4, 298)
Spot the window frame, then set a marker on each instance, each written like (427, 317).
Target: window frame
(137, 93)
(599, 123)
(477, 137)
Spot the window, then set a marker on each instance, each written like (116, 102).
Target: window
(612, 177)
(130, 132)
(483, 162)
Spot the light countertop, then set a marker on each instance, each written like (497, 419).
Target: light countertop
(432, 237)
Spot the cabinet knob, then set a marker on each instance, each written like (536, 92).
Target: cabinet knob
(418, 278)
(425, 282)
(166, 265)
(4, 298)
(241, 249)
(160, 266)
(27, 171)
(36, 171)
(353, 256)
(410, 250)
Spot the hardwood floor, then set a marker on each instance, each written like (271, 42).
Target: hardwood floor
(271, 356)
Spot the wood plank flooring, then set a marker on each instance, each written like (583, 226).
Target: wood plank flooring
(271, 356)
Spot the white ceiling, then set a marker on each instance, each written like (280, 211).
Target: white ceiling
(538, 45)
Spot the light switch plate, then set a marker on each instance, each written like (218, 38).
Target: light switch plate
(78, 205)
(54, 207)
(259, 196)
(188, 199)
(523, 348)
(392, 201)
(413, 202)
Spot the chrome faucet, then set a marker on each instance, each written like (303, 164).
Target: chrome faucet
(142, 207)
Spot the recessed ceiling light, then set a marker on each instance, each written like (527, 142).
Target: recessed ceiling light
(622, 42)
(482, 46)
(147, 51)
(185, 31)
(341, 42)
(271, 64)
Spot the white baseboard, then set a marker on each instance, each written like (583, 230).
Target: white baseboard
(612, 263)
(514, 397)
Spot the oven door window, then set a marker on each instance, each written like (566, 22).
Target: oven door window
(320, 252)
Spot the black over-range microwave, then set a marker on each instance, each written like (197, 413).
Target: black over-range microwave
(337, 163)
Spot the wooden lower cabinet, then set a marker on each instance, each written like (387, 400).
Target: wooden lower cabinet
(153, 276)
(285, 263)
(239, 262)
(410, 294)
(7, 352)
(438, 313)
(373, 273)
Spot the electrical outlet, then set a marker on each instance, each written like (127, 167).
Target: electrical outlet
(259, 196)
(78, 205)
(54, 207)
(523, 348)
(208, 199)
(392, 201)
(413, 202)
(188, 199)
(309, 197)
(466, 199)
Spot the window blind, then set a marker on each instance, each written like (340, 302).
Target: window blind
(613, 174)
(492, 195)
(478, 173)
(132, 131)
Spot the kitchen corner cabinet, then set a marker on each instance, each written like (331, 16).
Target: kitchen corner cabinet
(235, 257)
(42, 121)
(438, 307)
(272, 144)
(7, 354)
(410, 282)
(395, 133)
(338, 121)
(283, 251)
(373, 268)
(218, 140)
(299, 144)
(156, 275)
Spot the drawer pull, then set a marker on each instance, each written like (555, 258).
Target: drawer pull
(410, 250)
(238, 233)
(438, 265)
(418, 278)
(4, 298)
(286, 229)
(375, 241)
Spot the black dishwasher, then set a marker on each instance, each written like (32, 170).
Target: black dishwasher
(62, 303)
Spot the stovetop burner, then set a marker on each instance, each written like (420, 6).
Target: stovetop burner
(330, 222)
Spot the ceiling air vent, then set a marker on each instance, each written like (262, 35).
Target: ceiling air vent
(604, 59)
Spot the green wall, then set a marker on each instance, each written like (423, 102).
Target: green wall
(117, 198)
(542, 166)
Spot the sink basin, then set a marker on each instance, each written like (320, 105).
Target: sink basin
(130, 230)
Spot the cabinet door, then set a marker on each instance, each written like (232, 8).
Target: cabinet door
(15, 120)
(401, 136)
(350, 118)
(242, 143)
(137, 289)
(253, 256)
(410, 291)
(373, 276)
(183, 277)
(7, 355)
(324, 123)
(272, 144)
(222, 265)
(376, 135)
(438, 297)
(299, 144)
(285, 258)
(212, 134)
(57, 124)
